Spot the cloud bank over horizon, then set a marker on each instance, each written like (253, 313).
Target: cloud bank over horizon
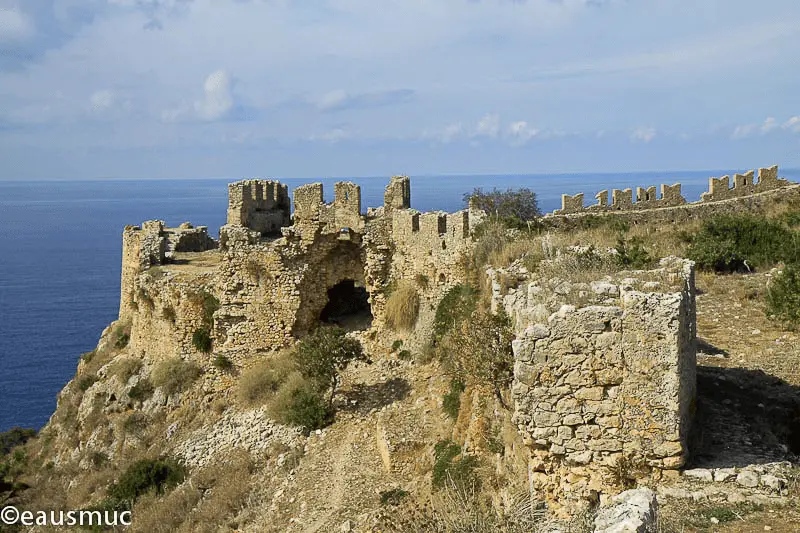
(200, 88)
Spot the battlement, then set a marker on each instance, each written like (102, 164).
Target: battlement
(343, 212)
(261, 205)
(411, 226)
(743, 185)
(646, 197)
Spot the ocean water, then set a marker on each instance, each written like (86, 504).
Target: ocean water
(60, 253)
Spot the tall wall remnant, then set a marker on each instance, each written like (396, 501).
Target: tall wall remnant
(605, 386)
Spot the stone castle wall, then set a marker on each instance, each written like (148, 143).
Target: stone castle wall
(646, 198)
(607, 387)
(272, 273)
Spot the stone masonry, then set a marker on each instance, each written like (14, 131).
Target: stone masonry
(607, 388)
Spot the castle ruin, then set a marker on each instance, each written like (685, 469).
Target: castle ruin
(595, 386)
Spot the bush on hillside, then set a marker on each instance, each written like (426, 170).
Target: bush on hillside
(15, 437)
(322, 355)
(632, 254)
(201, 340)
(743, 242)
(456, 305)
(174, 375)
(451, 401)
(146, 475)
(449, 469)
(783, 296)
(402, 307)
(478, 351)
(299, 402)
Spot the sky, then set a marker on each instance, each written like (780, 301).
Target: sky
(312, 88)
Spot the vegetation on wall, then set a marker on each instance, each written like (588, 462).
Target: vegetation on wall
(402, 306)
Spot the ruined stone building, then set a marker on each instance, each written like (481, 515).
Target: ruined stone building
(596, 385)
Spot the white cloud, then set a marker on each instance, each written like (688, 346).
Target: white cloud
(488, 126)
(15, 26)
(793, 124)
(332, 100)
(644, 135)
(217, 102)
(102, 100)
(769, 124)
(332, 136)
(218, 99)
(520, 132)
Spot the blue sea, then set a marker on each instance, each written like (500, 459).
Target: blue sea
(60, 253)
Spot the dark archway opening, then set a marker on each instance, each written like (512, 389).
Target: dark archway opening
(348, 306)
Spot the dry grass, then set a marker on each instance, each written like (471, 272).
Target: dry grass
(402, 307)
(174, 374)
(280, 402)
(208, 502)
(261, 381)
(125, 367)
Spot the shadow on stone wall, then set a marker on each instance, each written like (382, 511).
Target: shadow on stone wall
(744, 417)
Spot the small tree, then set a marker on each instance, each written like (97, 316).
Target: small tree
(783, 296)
(478, 350)
(325, 353)
(511, 204)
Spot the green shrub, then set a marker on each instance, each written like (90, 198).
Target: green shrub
(174, 375)
(144, 476)
(783, 296)
(478, 351)
(201, 340)
(396, 345)
(446, 468)
(632, 254)
(404, 355)
(141, 391)
(84, 382)
(15, 437)
(308, 410)
(88, 356)
(451, 402)
(737, 243)
(456, 305)
(324, 354)
(209, 303)
(402, 307)
(223, 363)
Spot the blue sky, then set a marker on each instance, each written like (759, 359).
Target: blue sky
(207, 88)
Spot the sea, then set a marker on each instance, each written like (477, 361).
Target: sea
(60, 254)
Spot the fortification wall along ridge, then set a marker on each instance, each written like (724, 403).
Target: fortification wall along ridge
(646, 198)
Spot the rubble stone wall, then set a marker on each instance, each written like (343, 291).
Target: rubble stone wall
(603, 388)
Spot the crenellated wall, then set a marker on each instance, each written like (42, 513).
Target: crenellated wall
(272, 288)
(261, 205)
(719, 189)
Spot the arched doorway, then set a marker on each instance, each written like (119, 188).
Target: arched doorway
(348, 306)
